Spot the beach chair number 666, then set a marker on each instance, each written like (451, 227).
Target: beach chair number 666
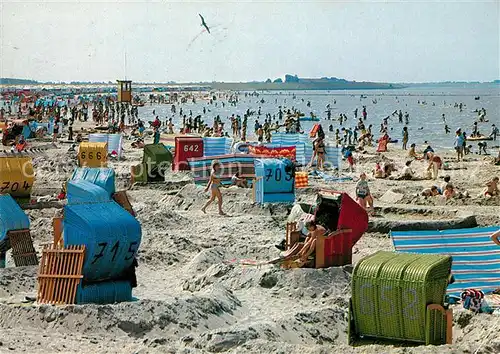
(91, 155)
(132, 249)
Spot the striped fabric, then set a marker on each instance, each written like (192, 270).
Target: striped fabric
(242, 163)
(305, 148)
(333, 156)
(114, 141)
(217, 146)
(476, 258)
(300, 141)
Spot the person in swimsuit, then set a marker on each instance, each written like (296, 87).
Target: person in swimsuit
(363, 194)
(320, 153)
(309, 246)
(214, 185)
(492, 188)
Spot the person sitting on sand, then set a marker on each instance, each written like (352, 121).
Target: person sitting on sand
(310, 243)
(214, 184)
(237, 181)
(430, 192)
(492, 188)
(412, 153)
(378, 172)
(449, 191)
(446, 181)
(407, 173)
(363, 195)
(389, 168)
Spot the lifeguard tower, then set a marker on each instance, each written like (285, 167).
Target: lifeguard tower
(124, 91)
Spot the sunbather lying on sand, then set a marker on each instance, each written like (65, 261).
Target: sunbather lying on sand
(431, 192)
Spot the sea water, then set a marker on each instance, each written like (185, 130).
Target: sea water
(425, 124)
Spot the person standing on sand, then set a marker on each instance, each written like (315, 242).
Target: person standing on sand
(494, 132)
(405, 137)
(56, 130)
(214, 184)
(459, 144)
(434, 164)
(363, 194)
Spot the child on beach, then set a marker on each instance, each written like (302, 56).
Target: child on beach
(363, 194)
(412, 153)
(348, 156)
(237, 181)
(405, 137)
(449, 191)
(430, 192)
(378, 172)
(435, 163)
(459, 144)
(492, 188)
(214, 185)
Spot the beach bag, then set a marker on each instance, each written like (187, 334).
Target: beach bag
(472, 299)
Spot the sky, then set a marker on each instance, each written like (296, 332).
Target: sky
(160, 41)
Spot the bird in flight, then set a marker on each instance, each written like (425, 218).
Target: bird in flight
(204, 24)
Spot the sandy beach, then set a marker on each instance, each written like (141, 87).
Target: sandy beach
(195, 295)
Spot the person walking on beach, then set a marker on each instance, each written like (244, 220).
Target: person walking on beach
(405, 137)
(214, 184)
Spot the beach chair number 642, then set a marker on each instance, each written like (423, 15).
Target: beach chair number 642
(191, 148)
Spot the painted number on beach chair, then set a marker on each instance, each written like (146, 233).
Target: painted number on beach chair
(385, 297)
(277, 175)
(5, 185)
(101, 252)
(410, 298)
(191, 148)
(367, 306)
(13, 187)
(132, 249)
(98, 155)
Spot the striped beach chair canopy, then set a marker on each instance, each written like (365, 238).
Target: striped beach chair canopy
(114, 142)
(217, 146)
(242, 163)
(304, 146)
(300, 141)
(476, 258)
